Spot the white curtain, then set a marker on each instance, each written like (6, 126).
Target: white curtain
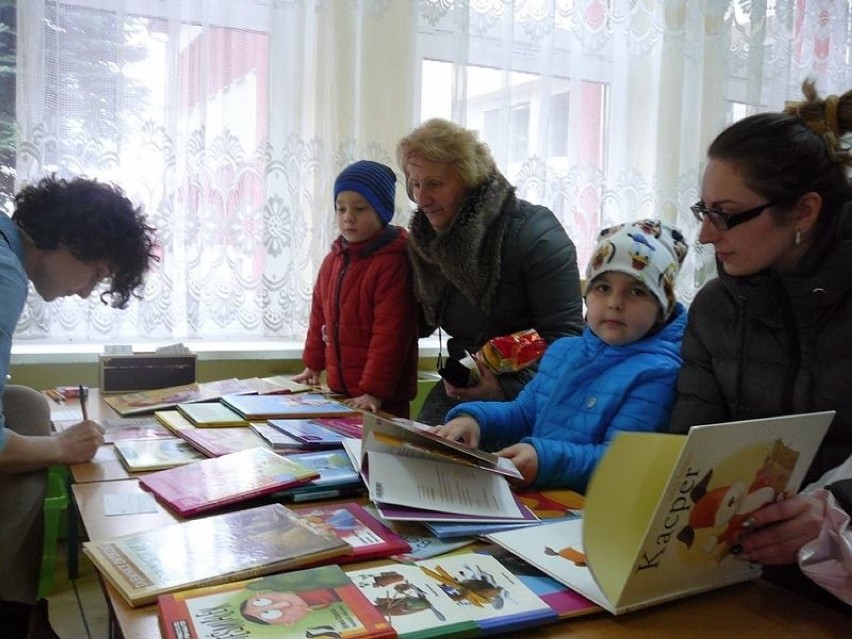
(229, 119)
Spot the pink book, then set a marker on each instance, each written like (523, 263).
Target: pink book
(212, 483)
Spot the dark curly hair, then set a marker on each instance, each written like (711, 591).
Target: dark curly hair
(95, 222)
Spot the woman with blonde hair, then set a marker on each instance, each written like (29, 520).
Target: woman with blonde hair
(485, 263)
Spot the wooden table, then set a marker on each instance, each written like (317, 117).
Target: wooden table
(754, 609)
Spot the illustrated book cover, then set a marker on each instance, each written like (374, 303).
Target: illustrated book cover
(662, 511)
(211, 415)
(209, 551)
(337, 477)
(215, 442)
(463, 594)
(212, 483)
(165, 398)
(140, 455)
(292, 406)
(369, 538)
(319, 603)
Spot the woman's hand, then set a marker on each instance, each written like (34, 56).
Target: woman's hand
(364, 402)
(777, 531)
(79, 443)
(463, 428)
(309, 377)
(525, 459)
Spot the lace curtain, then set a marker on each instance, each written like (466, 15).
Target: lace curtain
(228, 120)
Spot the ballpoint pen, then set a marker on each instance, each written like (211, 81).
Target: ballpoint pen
(81, 393)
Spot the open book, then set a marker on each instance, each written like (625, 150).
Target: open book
(663, 511)
(414, 471)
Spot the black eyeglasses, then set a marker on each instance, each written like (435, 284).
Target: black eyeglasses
(723, 221)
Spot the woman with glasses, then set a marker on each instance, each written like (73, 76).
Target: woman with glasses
(772, 335)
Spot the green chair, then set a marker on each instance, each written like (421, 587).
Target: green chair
(55, 502)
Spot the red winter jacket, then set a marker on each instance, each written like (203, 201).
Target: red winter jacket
(363, 327)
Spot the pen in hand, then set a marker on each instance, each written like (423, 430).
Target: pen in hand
(81, 393)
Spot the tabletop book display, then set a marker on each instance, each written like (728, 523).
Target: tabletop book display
(662, 511)
(294, 406)
(320, 603)
(216, 482)
(165, 398)
(209, 551)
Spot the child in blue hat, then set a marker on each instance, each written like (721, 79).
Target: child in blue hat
(363, 325)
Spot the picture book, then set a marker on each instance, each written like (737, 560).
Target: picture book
(281, 384)
(308, 432)
(209, 551)
(163, 398)
(219, 481)
(211, 415)
(662, 511)
(292, 406)
(369, 538)
(405, 438)
(423, 543)
(275, 439)
(215, 442)
(350, 426)
(461, 594)
(133, 428)
(320, 603)
(337, 477)
(174, 420)
(139, 455)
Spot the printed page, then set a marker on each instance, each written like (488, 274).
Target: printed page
(440, 486)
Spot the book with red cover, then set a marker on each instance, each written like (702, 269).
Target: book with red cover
(322, 603)
(369, 538)
(212, 483)
(292, 406)
(350, 426)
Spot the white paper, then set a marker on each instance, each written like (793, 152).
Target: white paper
(129, 504)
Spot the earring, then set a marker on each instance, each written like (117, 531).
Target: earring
(797, 239)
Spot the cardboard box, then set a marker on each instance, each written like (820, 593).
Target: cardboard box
(144, 371)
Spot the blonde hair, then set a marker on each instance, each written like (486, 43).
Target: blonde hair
(439, 140)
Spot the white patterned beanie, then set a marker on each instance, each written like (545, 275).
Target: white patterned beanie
(649, 250)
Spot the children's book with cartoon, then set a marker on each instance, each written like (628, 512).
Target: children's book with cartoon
(319, 603)
(662, 511)
(464, 594)
(209, 551)
(212, 483)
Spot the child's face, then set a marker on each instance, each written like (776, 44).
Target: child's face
(356, 219)
(619, 309)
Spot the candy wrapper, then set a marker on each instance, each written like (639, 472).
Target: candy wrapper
(511, 353)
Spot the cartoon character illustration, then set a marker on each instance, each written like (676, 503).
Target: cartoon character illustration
(406, 599)
(640, 252)
(725, 508)
(570, 553)
(603, 255)
(473, 586)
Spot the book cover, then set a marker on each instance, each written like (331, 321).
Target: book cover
(133, 428)
(464, 594)
(215, 442)
(662, 511)
(165, 398)
(139, 455)
(209, 551)
(320, 603)
(219, 481)
(369, 538)
(282, 384)
(349, 426)
(308, 432)
(174, 420)
(211, 415)
(337, 478)
(293, 406)
(276, 440)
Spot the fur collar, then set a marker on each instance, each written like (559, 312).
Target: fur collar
(467, 255)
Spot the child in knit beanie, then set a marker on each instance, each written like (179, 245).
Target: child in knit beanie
(363, 325)
(619, 375)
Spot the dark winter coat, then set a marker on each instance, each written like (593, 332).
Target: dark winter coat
(772, 344)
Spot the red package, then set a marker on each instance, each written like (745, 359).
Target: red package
(511, 353)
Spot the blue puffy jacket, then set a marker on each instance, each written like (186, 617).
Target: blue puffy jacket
(584, 393)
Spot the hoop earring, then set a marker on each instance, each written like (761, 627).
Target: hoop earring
(797, 239)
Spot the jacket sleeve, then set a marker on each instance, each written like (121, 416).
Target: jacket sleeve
(551, 280)
(699, 396)
(314, 352)
(394, 327)
(645, 407)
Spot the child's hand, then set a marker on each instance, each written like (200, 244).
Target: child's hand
(309, 377)
(526, 460)
(461, 429)
(364, 402)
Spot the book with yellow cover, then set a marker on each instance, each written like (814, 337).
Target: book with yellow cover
(662, 511)
(209, 551)
(174, 420)
(211, 415)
